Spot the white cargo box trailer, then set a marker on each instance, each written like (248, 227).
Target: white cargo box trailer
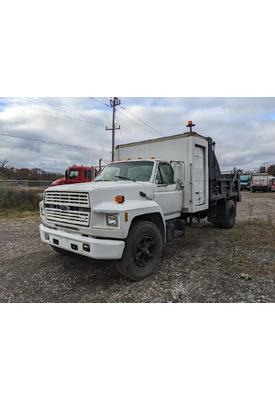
(189, 152)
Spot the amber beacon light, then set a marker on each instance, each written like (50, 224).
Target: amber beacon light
(190, 125)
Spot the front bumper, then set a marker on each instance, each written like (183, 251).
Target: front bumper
(100, 249)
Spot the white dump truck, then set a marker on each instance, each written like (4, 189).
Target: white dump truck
(141, 201)
(261, 182)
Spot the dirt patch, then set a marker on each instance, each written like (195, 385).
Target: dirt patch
(257, 207)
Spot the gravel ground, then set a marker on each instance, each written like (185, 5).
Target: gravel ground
(207, 265)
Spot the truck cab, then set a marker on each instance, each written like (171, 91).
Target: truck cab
(245, 181)
(137, 204)
(76, 174)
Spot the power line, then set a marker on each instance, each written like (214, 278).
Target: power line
(101, 102)
(67, 111)
(140, 120)
(44, 141)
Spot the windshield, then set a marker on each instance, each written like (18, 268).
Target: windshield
(245, 178)
(132, 170)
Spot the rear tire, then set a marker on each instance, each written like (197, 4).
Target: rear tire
(230, 215)
(142, 252)
(217, 224)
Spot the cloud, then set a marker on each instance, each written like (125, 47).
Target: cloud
(243, 128)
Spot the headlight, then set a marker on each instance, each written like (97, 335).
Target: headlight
(112, 220)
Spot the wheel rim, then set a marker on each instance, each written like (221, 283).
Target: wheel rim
(145, 251)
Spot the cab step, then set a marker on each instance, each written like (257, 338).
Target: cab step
(174, 229)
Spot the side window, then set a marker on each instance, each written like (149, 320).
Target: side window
(158, 177)
(167, 174)
(88, 175)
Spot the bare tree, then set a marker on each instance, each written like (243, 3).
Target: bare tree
(3, 163)
(271, 170)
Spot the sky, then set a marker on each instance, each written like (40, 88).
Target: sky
(243, 128)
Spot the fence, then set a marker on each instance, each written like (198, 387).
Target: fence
(27, 183)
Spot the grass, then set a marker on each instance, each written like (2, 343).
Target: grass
(15, 213)
(254, 233)
(18, 202)
(248, 248)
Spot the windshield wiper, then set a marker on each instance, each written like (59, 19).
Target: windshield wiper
(124, 178)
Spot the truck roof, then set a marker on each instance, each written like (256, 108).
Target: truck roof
(160, 139)
(81, 167)
(137, 159)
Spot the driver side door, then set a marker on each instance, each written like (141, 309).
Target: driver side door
(166, 193)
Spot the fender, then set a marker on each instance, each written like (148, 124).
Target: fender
(127, 211)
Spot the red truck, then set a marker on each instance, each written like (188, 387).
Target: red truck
(77, 174)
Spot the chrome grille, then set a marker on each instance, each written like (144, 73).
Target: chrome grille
(68, 216)
(68, 207)
(67, 198)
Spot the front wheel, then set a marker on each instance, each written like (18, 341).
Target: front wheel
(142, 251)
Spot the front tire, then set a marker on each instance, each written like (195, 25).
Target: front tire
(142, 252)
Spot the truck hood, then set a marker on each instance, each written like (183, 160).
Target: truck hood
(58, 182)
(90, 186)
(105, 190)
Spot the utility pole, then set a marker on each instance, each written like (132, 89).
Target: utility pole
(114, 102)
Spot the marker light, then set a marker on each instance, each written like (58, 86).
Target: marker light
(119, 199)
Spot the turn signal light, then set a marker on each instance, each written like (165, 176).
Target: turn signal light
(119, 199)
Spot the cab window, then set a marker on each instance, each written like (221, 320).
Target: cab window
(88, 175)
(165, 174)
(73, 174)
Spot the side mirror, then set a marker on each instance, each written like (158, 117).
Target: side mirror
(179, 184)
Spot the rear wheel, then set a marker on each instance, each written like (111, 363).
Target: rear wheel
(229, 215)
(142, 251)
(217, 224)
